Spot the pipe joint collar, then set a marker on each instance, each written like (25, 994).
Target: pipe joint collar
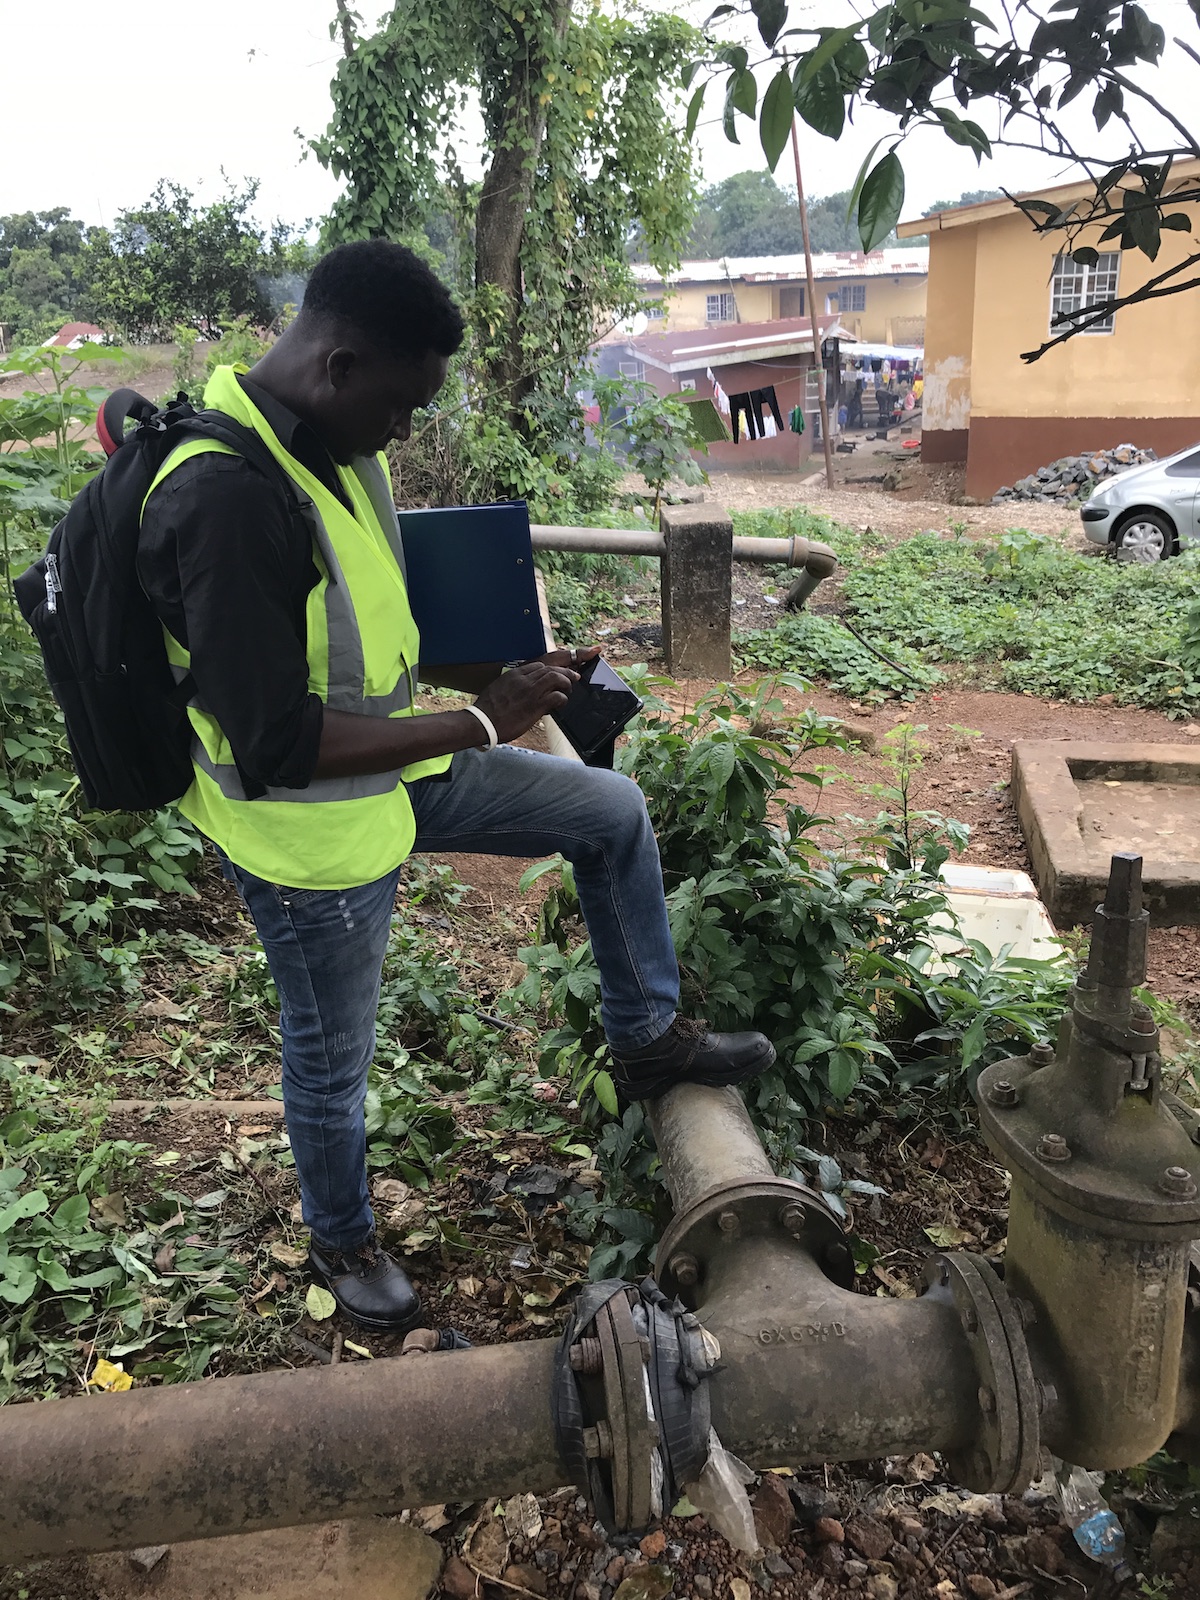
(775, 1208)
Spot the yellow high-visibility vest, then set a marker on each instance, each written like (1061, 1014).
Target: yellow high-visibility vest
(362, 648)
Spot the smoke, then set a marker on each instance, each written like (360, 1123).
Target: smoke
(285, 289)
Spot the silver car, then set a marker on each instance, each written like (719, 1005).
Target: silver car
(1150, 512)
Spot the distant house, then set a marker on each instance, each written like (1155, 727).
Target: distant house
(73, 334)
(878, 297)
(994, 285)
(751, 356)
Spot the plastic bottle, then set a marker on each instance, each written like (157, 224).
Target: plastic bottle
(1097, 1529)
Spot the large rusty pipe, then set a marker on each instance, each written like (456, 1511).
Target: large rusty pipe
(706, 1142)
(811, 1372)
(154, 1466)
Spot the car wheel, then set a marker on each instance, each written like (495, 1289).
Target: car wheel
(1146, 536)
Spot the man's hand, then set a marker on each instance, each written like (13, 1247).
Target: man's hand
(521, 697)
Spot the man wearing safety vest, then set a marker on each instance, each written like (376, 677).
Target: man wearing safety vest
(313, 775)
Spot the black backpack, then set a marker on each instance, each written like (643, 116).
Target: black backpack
(101, 640)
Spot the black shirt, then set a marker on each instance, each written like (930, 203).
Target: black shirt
(229, 568)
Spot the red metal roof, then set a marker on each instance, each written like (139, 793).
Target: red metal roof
(70, 331)
(729, 342)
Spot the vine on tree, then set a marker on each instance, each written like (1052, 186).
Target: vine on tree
(582, 146)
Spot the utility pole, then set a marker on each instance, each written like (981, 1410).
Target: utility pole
(812, 315)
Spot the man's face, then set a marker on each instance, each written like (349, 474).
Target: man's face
(372, 397)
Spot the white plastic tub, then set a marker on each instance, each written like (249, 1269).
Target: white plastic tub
(999, 907)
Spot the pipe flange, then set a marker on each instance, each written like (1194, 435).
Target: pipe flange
(630, 1401)
(1004, 1457)
(775, 1208)
(633, 1429)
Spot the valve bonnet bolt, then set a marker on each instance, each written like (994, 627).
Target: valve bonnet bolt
(1042, 1054)
(728, 1222)
(685, 1269)
(987, 1400)
(1179, 1181)
(969, 1320)
(792, 1218)
(1053, 1147)
(1002, 1093)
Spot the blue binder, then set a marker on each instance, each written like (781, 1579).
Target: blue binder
(471, 583)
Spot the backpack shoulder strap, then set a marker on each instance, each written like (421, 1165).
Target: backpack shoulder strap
(236, 436)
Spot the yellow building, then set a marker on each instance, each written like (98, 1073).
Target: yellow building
(994, 284)
(879, 297)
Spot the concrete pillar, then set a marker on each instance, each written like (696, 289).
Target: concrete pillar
(697, 578)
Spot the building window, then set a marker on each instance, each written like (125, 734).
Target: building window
(854, 297)
(1073, 288)
(721, 308)
(654, 310)
(633, 369)
(791, 301)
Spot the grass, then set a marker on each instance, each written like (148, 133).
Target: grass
(1022, 613)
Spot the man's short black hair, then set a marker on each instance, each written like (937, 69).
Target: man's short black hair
(388, 293)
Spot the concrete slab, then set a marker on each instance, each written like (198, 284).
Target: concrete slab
(372, 1559)
(1077, 803)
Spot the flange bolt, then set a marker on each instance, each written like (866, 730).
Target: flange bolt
(685, 1269)
(1002, 1093)
(1042, 1054)
(728, 1223)
(987, 1400)
(598, 1442)
(1179, 1181)
(587, 1357)
(1053, 1147)
(792, 1218)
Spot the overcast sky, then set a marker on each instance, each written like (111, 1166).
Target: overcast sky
(99, 103)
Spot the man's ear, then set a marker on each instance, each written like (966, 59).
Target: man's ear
(339, 365)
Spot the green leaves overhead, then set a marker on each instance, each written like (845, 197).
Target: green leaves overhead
(880, 201)
(775, 122)
(820, 101)
(932, 63)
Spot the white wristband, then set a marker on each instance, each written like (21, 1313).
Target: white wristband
(489, 726)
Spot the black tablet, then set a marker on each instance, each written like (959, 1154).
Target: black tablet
(600, 705)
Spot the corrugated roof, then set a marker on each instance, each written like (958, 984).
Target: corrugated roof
(985, 210)
(76, 332)
(827, 264)
(731, 342)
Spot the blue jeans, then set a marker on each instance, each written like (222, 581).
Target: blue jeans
(326, 947)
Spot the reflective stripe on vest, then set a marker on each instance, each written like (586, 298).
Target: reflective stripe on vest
(362, 648)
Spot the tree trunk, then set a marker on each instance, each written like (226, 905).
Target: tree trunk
(503, 202)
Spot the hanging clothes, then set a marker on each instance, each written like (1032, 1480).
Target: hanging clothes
(766, 397)
(796, 419)
(741, 408)
(720, 398)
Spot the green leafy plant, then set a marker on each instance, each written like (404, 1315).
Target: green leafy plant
(74, 885)
(1024, 613)
(850, 963)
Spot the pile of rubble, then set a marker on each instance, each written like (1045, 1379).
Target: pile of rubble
(1074, 477)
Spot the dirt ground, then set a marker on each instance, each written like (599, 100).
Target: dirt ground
(920, 503)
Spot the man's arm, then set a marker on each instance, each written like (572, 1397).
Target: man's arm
(352, 745)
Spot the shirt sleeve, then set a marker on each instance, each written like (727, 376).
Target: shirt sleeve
(228, 568)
